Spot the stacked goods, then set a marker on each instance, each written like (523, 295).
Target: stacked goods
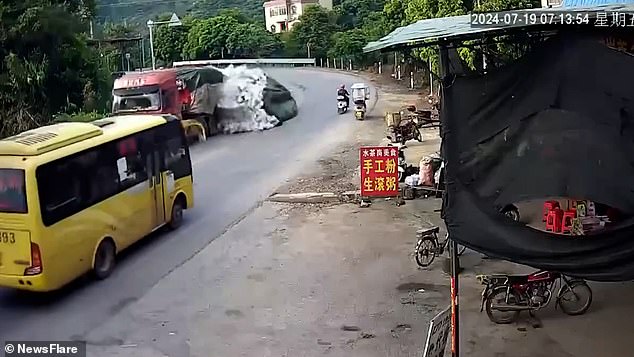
(587, 222)
(251, 101)
(205, 85)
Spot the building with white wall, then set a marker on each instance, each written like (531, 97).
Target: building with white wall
(281, 15)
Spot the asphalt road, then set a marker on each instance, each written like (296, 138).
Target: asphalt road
(232, 175)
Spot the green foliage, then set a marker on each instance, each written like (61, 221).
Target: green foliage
(315, 29)
(348, 44)
(137, 12)
(503, 5)
(169, 42)
(208, 38)
(354, 13)
(252, 41)
(84, 117)
(114, 54)
(394, 13)
(46, 65)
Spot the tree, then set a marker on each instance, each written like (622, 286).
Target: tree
(207, 38)
(169, 42)
(349, 45)
(114, 53)
(394, 13)
(252, 41)
(315, 29)
(503, 5)
(47, 65)
(353, 13)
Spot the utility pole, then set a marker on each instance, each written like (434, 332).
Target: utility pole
(308, 48)
(174, 21)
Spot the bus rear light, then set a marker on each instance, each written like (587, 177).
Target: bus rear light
(36, 261)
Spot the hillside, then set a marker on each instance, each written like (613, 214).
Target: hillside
(139, 11)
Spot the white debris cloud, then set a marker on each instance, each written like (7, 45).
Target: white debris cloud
(241, 106)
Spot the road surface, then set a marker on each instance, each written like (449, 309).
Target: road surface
(232, 174)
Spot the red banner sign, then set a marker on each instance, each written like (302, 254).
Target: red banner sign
(379, 171)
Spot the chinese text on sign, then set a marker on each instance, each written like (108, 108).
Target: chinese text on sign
(379, 171)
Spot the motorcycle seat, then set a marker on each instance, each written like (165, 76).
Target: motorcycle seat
(426, 231)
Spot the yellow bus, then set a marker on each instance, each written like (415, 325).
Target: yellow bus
(73, 195)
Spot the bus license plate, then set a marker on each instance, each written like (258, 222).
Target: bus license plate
(7, 237)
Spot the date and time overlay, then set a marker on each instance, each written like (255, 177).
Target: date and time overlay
(537, 18)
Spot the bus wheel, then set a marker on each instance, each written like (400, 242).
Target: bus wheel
(104, 259)
(177, 214)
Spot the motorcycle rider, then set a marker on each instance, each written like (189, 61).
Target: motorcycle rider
(344, 93)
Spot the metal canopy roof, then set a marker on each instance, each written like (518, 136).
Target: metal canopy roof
(430, 31)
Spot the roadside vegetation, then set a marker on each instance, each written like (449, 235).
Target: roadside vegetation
(53, 69)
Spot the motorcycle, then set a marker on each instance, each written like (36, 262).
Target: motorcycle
(342, 106)
(515, 293)
(359, 110)
(406, 130)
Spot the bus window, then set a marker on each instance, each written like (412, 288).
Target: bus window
(131, 164)
(176, 155)
(12, 191)
(60, 188)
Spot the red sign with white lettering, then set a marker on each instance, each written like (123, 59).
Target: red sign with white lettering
(379, 171)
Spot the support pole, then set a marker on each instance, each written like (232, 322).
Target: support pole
(150, 24)
(445, 76)
(380, 67)
(431, 78)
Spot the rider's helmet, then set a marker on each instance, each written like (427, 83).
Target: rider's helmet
(343, 86)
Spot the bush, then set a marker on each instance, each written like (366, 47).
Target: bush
(78, 117)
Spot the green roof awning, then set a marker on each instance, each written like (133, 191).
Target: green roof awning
(431, 31)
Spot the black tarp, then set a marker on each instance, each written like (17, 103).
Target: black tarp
(278, 100)
(557, 123)
(205, 85)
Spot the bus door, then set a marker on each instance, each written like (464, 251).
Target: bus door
(156, 186)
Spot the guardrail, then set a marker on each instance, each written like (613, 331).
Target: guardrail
(289, 62)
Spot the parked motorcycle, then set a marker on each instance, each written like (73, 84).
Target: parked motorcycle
(342, 106)
(406, 130)
(512, 294)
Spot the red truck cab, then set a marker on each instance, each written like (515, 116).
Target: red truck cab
(154, 92)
